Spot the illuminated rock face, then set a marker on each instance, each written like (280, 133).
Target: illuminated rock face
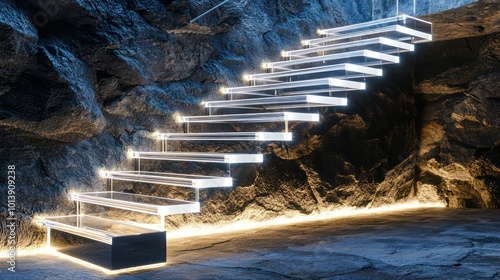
(98, 78)
(460, 123)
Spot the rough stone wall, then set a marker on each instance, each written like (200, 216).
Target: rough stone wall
(100, 77)
(457, 91)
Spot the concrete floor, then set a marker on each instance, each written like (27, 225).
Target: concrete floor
(416, 244)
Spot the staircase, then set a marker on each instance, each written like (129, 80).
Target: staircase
(317, 75)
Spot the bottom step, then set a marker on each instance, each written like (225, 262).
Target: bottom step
(120, 245)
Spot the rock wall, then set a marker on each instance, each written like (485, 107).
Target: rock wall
(84, 81)
(459, 128)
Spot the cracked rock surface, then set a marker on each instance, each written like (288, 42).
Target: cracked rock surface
(412, 244)
(84, 81)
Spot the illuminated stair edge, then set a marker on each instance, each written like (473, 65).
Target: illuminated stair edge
(317, 45)
(139, 203)
(325, 82)
(228, 136)
(199, 157)
(171, 179)
(251, 118)
(361, 71)
(279, 102)
(408, 35)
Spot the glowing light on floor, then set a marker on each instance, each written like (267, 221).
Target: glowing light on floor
(54, 253)
(244, 223)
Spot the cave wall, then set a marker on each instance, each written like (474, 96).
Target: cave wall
(457, 91)
(86, 81)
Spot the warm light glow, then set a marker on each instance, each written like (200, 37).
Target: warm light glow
(154, 135)
(100, 268)
(72, 195)
(222, 90)
(321, 32)
(177, 117)
(248, 222)
(305, 42)
(31, 252)
(53, 252)
(102, 172)
(38, 220)
(266, 65)
(284, 53)
(130, 152)
(247, 77)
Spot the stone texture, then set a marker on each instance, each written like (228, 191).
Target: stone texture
(459, 126)
(475, 19)
(417, 244)
(84, 81)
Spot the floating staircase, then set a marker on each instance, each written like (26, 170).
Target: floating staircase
(318, 75)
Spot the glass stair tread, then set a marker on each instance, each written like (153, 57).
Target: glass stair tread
(396, 32)
(280, 102)
(348, 71)
(404, 19)
(321, 85)
(412, 28)
(139, 203)
(95, 228)
(171, 179)
(252, 118)
(325, 44)
(228, 136)
(368, 59)
(200, 157)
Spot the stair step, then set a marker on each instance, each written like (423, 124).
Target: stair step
(252, 118)
(123, 245)
(405, 20)
(279, 102)
(139, 203)
(322, 85)
(363, 56)
(95, 228)
(381, 44)
(403, 28)
(170, 179)
(398, 32)
(228, 136)
(368, 60)
(346, 68)
(200, 157)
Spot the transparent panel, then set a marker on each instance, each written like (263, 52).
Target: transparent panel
(252, 118)
(228, 136)
(140, 203)
(99, 229)
(171, 179)
(200, 157)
